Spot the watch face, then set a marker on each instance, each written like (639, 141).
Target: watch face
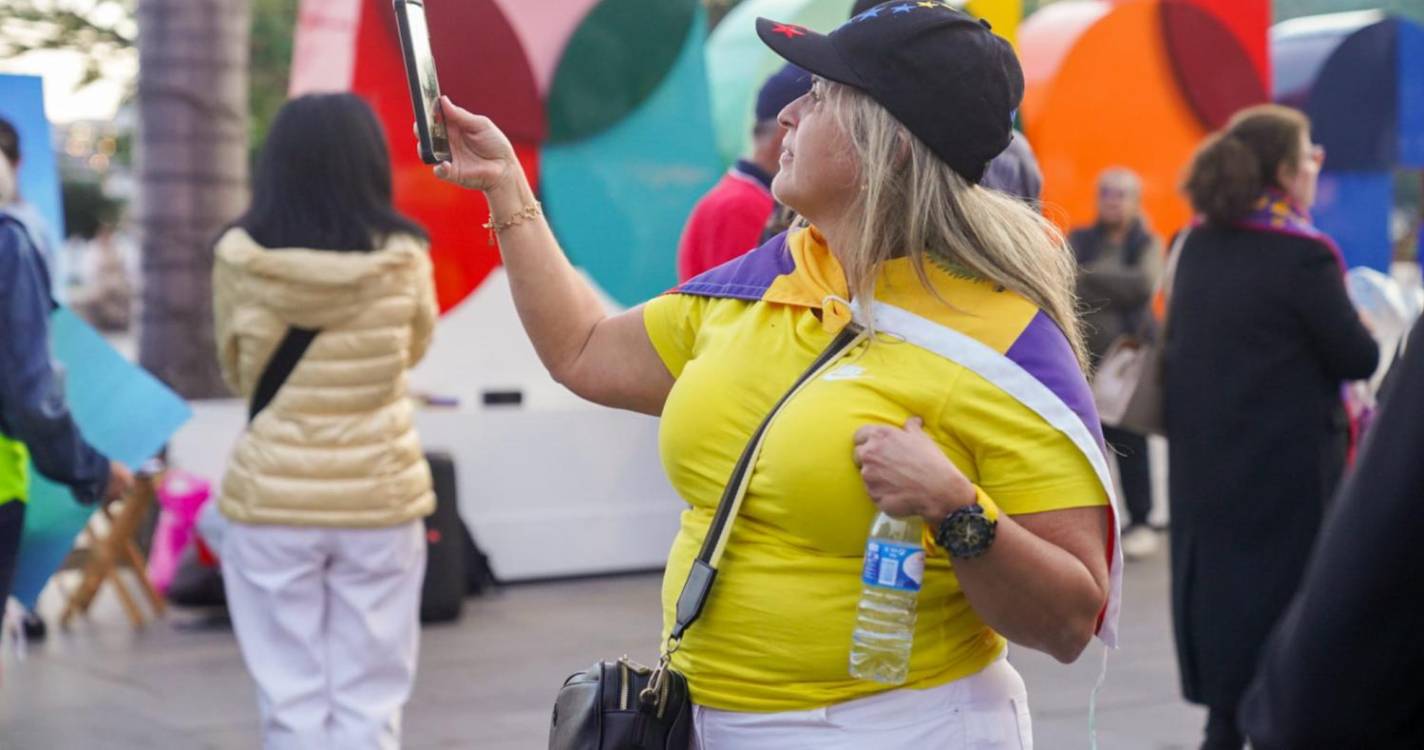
(967, 534)
(970, 532)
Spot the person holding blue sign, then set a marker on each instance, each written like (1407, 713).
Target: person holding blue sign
(35, 423)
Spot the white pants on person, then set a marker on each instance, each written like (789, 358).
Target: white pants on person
(985, 711)
(328, 621)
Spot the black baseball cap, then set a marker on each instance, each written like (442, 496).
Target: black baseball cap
(862, 6)
(945, 75)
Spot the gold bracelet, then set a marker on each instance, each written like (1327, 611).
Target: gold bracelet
(531, 211)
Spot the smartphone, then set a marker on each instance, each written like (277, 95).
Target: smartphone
(424, 85)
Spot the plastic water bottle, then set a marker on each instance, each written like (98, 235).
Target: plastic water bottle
(885, 618)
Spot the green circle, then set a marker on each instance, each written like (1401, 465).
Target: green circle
(614, 62)
(738, 63)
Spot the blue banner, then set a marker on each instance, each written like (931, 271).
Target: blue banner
(122, 410)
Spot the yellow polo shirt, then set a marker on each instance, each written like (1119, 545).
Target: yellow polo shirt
(776, 631)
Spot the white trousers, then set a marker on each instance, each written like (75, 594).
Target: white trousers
(985, 711)
(328, 621)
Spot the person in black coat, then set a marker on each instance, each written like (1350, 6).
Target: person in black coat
(1261, 336)
(1343, 666)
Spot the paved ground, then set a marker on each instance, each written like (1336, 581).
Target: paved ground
(489, 680)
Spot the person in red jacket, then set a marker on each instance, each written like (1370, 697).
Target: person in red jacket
(729, 219)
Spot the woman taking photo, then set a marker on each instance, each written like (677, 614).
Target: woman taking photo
(328, 485)
(1260, 338)
(967, 398)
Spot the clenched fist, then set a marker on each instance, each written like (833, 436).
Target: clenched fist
(907, 474)
(120, 481)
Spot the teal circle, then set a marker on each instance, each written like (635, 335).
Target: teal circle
(616, 59)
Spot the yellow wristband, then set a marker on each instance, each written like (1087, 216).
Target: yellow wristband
(982, 499)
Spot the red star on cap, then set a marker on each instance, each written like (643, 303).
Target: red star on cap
(791, 32)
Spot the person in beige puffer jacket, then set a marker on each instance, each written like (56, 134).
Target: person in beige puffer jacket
(328, 484)
(337, 446)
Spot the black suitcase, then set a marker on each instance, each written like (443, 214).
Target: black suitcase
(479, 575)
(443, 593)
(195, 584)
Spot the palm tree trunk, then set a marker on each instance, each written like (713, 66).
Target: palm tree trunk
(192, 167)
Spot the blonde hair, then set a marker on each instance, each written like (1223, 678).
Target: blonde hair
(914, 204)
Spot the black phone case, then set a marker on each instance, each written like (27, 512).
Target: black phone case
(412, 76)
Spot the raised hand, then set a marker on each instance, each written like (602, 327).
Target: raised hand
(481, 157)
(120, 481)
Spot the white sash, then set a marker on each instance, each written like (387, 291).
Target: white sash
(1014, 380)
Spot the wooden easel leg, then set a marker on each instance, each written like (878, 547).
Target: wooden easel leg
(140, 567)
(112, 550)
(130, 606)
(94, 572)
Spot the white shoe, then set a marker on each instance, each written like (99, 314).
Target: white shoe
(1139, 542)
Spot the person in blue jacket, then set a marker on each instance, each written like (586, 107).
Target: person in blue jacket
(35, 423)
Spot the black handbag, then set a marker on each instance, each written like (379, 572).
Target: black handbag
(623, 705)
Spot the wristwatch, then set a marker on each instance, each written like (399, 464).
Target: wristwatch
(969, 531)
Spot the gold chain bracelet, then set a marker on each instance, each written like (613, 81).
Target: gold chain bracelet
(531, 211)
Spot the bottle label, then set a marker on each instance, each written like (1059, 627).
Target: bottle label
(889, 565)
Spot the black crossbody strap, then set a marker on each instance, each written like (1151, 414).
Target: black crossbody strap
(279, 367)
(704, 568)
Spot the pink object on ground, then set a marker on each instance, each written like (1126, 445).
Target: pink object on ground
(180, 495)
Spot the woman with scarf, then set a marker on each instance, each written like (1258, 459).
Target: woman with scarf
(962, 402)
(1261, 338)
